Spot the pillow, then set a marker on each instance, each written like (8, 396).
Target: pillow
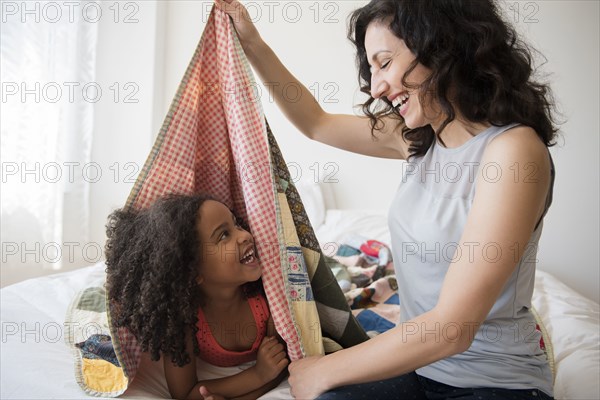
(327, 189)
(312, 198)
(571, 322)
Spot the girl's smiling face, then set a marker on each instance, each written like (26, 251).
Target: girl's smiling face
(390, 59)
(228, 255)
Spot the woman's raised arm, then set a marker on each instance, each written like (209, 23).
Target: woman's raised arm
(347, 132)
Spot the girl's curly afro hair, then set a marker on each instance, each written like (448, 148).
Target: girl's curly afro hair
(152, 262)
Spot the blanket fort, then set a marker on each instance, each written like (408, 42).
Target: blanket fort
(215, 139)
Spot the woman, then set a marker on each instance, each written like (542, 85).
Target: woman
(452, 93)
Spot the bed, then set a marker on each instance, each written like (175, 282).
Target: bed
(37, 364)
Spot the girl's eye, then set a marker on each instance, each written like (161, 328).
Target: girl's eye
(386, 64)
(224, 235)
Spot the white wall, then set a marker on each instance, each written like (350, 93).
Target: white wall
(124, 124)
(568, 35)
(126, 73)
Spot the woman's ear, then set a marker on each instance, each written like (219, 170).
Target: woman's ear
(200, 279)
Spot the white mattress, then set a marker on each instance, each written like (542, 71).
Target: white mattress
(36, 363)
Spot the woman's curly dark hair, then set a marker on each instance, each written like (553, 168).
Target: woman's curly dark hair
(152, 262)
(477, 62)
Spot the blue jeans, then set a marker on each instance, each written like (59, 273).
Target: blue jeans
(414, 387)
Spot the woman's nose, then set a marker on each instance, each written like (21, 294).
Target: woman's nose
(378, 86)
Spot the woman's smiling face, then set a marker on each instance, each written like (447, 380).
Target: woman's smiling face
(390, 59)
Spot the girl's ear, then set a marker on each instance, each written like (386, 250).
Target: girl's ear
(200, 279)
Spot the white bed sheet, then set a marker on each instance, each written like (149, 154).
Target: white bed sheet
(37, 364)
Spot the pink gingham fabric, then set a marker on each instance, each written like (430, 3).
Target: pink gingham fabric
(214, 140)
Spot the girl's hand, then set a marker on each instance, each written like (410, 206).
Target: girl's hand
(271, 359)
(244, 26)
(305, 382)
(206, 395)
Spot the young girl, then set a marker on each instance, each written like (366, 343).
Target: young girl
(184, 278)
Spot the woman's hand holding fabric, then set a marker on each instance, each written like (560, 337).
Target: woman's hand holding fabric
(247, 32)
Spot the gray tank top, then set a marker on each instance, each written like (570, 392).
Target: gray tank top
(427, 219)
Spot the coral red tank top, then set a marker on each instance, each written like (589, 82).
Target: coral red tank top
(212, 352)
